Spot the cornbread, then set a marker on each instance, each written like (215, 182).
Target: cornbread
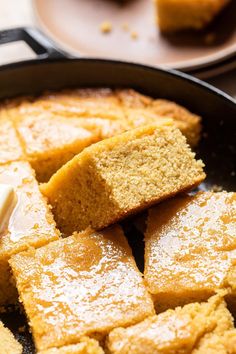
(52, 141)
(205, 328)
(120, 176)
(30, 223)
(187, 122)
(190, 247)
(174, 15)
(86, 346)
(8, 344)
(10, 147)
(83, 285)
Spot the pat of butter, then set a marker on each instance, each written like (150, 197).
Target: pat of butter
(7, 202)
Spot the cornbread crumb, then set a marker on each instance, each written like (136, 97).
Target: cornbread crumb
(205, 328)
(134, 35)
(120, 176)
(8, 344)
(106, 27)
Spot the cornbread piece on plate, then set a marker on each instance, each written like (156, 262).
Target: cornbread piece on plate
(85, 346)
(174, 15)
(83, 285)
(198, 328)
(10, 147)
(190, 248)
(30, 222)
(187, 122)
(120, 176)
(8, 343)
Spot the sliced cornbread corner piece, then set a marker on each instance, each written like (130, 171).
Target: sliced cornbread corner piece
(189, 123)
(187, 329)
(10, 147)
(8, 343)
(175, 15)
(85, 346)
(83, 285)
(190, 244)
(30, 222)
(120, 176)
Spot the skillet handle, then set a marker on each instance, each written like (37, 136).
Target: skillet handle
(36, 40)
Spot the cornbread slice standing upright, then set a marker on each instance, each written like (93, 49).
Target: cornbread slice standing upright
(85, 346)
(8, 343)
(190, 248)
(174, 15)
(120, 176)
(198, 328)
(83, 285)
(30, 222)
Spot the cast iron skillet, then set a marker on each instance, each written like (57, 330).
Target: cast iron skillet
(54, 70)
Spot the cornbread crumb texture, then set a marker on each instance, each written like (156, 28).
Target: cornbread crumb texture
(190, 248)
(197, 328)
(86, 284)
(30, 224)
(174, 15)
(86, 346)
(8, 343)
(121, 175)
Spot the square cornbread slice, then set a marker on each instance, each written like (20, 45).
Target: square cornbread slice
(50, 141)
(120, 176)
(8, 343)
(85, 346)
(205, 328)
(30, 223)
(189, 123)
(190, 246)
(174, 15)
(10, 147)
(83, 285)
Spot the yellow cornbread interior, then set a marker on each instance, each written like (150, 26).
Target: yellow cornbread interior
(10, 147)
(86, 284)
(176, 15)
(8, 344)
(190, 248)
(121, 175)
(30, 224)
(197, 328)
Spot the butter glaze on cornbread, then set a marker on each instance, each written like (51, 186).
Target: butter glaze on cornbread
(190, 248)
(198, 328)
(8, 343)
(31, 222)
(174, 15)
(86, 284)
(122, 175)
(86, 346)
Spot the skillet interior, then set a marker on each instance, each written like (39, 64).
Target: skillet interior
(217, 147)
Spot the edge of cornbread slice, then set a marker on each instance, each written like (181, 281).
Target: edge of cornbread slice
(122, 175)
(175, 15)
(86, 345)
(8, 343)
